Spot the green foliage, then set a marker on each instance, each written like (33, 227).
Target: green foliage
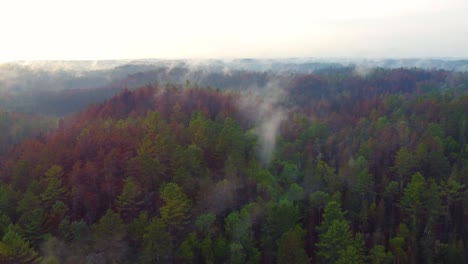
(327, 177)
(319, 199)
(206, 250)
(353, 253)
(54, 190)
(29, 201)
(205, 222)
(176, 211)
(7, 200)
(31, 224)
(295, 193)
(14, 249)
(420, 200)
(237, 254)
(50, 260)
(186, 250)
(128, 202)
(289, 174)
(378, 255)
(281, 217)
(291, 247)
(136, 229)
(336, 244)
(80, 231)
(363, 181)
(230, 140)
(382, 122)
(412, 199)
(237, 225)
(334, 241)
(331, 213)
(157, 246)
(397, 245)
(198, 130)
(109, 237)
(5, 221)
(109, 225)
(315, 131)
(392, 189)
(404, 162)
(451, 191)
(220, 248)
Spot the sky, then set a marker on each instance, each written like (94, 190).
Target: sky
(201, 29)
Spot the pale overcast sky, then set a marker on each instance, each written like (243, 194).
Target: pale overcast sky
(113, 29)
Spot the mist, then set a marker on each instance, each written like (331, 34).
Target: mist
(265, 107)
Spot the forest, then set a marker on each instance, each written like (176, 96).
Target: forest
(332, 166)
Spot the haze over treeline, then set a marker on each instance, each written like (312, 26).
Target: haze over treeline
(62, 87)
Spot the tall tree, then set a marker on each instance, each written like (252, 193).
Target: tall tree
(14, 249)
(291, 247)
(129, 201)
(156, 243)
(176, 209)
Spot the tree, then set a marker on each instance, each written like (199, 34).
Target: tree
(230, 140)
(15, 250)
(412, 199)
(7, 200)
(397, 246)
(175, 213)
(156, 243)
(334, 241)
(378, 255)
(197, 130)
(363, 181)
(109, 237)
(281, 217)
(206, 250)
(204, 223)
(451, 191)
(331, 212)
(31, 224)
(289, 174)
(136, 229)
(354, 253)
(291, 247)
(328, 177)
(237, 254)
(404, 164)
(187, 248)
(148, 168)
(128, 202)
(54, 190)
(319, 199)
(238, 225)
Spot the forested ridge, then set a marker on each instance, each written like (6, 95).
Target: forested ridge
(368, 168)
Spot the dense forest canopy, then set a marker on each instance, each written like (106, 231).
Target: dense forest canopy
(335, 166)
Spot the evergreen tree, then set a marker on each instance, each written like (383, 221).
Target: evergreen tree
(15, 250)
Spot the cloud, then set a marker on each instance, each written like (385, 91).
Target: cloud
(363, 70)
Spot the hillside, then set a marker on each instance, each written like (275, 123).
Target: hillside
(334, 166)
